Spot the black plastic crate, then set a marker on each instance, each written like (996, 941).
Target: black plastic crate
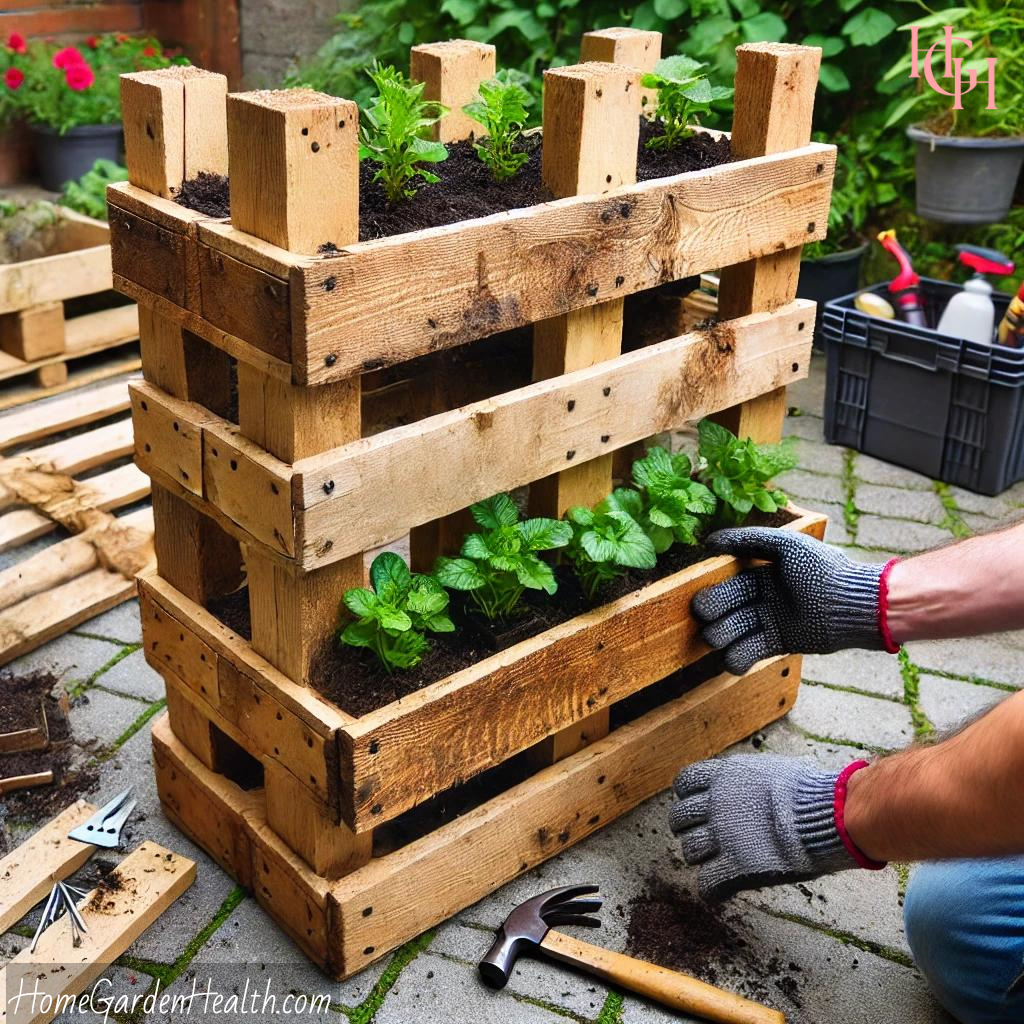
(946, 407)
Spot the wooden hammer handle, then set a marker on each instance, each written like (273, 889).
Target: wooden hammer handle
(678, 991)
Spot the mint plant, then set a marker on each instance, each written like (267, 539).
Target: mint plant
(392, 129)
(675, 505)
(394, 617)
(499, 563)
(683, 93)
(501, 109)
(606, 541)
(740, 472)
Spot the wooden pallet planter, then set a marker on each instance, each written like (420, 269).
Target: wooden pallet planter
(285, 489)
(45, 594)
(37, 337)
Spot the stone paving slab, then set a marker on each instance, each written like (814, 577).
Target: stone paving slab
(874, 471)
(949, 703)
(816, 457)
(900, 503)
(133, 677)
(812, 487)
(899, 534)
(836, 531)
(880, 724)
(981, 657)
(100, 718)
(120, 624)
(69, 657)
(876, 671)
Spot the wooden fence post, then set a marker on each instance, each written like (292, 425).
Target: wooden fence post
(632, 47)
(774, 102)
(452, 72)
(591, 128)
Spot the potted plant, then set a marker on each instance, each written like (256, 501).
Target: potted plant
(70, 98)
(967, 160)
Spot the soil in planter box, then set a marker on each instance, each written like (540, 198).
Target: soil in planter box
(670, 927)
(355, 681)
(466, 188)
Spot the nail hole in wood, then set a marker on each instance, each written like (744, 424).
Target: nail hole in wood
(796, 366)
(368, 950)
(330, 284)
(305, 131)
(571, 404)
(599, 93)
(810, 227)
(606, 392)
(605, 438)
(782, 702)
(570, 454)
(367, 911)
(315, 147)
(234, 464)
(619, 281)
(625, 209)
(374, 747)
(800, 326)
(149, 130)
(600, 780)
(341, 123)
(145, 407)
(608, 178)
(309, 742)
(280, 717)
(216, 453)
(331, 359)
(591, 290)
(819, 168)
(273, 488)
(785, 672)
(175, 426)
(149, 447)
(376, 809)
(184, 475)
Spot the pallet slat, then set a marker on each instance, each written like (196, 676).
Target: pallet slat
(76, 411)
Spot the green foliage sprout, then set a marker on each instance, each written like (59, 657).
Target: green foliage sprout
(88, 195)
(606, 541)
(683, 93)
(394, 617)
(499, 563)
(392, 130)
(502, 109)
(739, 472)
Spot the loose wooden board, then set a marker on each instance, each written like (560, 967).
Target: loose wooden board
(151, 878)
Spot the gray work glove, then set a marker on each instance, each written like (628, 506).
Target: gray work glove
(758, 819)
(809, 599)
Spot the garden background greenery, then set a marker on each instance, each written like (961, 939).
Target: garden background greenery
(864, 103)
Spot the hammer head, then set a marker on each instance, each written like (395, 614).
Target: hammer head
(524, 929)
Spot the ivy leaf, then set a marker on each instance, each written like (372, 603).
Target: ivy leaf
(765, 27)
(669, 10)
(833, 78)
(868, 27)
(463, 11)
(830, 45)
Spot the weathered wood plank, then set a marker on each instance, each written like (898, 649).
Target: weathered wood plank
(168, 433)
(75, 411)
(382, 302)
(402, 754)
(517, 437)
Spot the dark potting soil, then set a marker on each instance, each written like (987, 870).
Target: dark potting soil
(466, 188)
(205, 193)
(670, 927)
(71, 775)
(233, 611)
(21, 700)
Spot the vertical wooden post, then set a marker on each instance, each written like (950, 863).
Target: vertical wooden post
(295, 183)
(591, 128)
(632, 47)
(175, 126)
(775, 85)
(452, 73)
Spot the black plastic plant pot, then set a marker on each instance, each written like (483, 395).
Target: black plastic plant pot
(828, 278)
(64, 158)
(965, 180)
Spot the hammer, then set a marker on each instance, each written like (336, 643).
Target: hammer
(528, 930)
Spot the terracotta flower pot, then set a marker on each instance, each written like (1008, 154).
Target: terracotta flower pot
(67, 157)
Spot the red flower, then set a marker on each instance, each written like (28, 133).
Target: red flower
(79, 77)
(150, 51)
(121, 38)
(16, 42)
(13, 78)
(92, 42)
(67, 58)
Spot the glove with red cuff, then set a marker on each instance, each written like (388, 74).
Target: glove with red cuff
(760, 819)
(808, 599)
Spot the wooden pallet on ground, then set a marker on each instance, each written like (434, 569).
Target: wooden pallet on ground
(251, 422)
(42, 489)
(39, 337)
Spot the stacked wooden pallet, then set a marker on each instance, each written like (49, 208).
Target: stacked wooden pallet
(51, 483)
(337, 822)
(37, 336)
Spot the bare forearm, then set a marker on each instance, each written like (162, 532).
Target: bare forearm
(974, 587)
(957, 798)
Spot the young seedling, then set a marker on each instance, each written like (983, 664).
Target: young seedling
(606, 541)
(498, 564)
(739, 472)
(683, 93)
(674, 504)
(394, 617)
(391, 133)
(501, 109)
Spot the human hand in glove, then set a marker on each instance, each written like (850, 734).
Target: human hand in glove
(809, 599)
(760, 819)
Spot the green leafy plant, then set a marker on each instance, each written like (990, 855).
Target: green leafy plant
(683, 93)
(393, 618)
(740, 472)
(674, 504)
(499, 563)
(606, 541)
(392, 130)
(502, 109)
(88, 195)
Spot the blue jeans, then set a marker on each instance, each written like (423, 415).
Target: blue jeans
(965, 926)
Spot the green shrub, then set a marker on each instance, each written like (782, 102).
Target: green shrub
(502, 110)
